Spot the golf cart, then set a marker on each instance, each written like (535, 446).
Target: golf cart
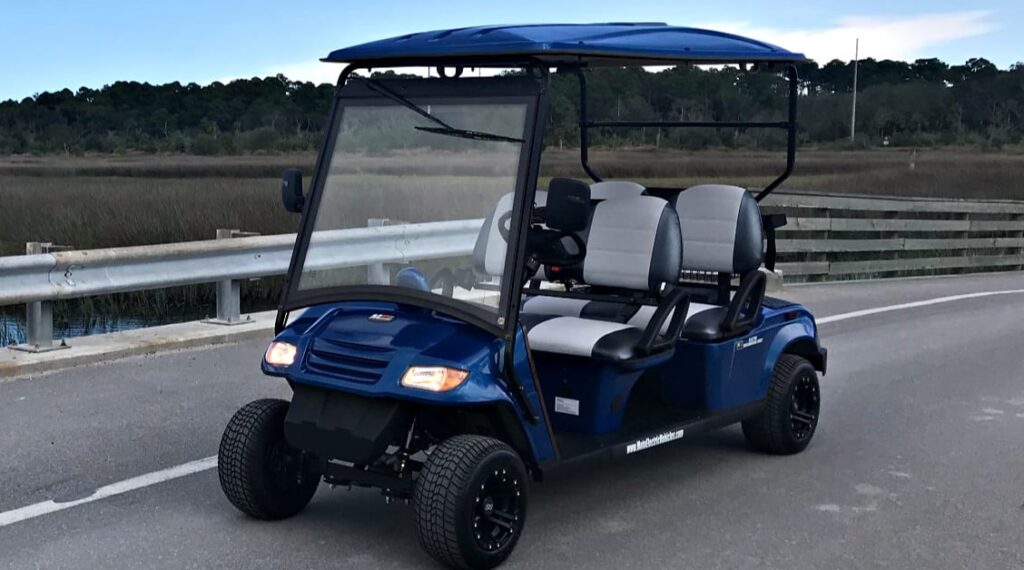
(453, 327)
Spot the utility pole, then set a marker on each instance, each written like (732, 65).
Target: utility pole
(853, 111)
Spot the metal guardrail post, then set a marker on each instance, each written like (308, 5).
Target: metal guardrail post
(229, 291)
(39, 314)
(377, 273)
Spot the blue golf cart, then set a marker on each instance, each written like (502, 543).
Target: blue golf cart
(452, 326)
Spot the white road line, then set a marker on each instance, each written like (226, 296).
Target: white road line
(200, 465)
(119, 488)
(902, 306)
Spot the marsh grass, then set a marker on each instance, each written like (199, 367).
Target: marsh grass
(138, 200)
(111, 201)
(935, 173)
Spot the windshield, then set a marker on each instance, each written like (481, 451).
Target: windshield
(406, 194)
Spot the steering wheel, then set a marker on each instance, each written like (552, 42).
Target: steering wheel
(545, 246)
(505, 225)
(548, 248)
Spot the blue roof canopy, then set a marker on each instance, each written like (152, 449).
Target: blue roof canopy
(612, 43)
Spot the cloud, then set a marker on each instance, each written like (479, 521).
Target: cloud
(313, 70)
(881, 37)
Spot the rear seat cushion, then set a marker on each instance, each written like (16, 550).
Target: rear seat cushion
(643, 315)
(582, 337)
(721, 228)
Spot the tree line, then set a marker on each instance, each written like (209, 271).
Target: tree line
(921, 103)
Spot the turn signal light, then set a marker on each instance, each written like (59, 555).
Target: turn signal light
(433, 378)
(281, 354)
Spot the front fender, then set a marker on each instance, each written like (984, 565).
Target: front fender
(347, 348)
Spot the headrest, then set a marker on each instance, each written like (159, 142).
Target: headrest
(721, 229)
(633, 243)
(610, 189)
(568, 205)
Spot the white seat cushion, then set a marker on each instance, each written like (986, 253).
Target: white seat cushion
(644, 314)
(563, 307)
(560, 306)
(585, 337)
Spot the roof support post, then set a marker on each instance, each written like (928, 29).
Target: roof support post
(791, 75)
(584, 127)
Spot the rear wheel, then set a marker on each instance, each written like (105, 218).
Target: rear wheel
(259, 472)
(790, 416)
(470, 502)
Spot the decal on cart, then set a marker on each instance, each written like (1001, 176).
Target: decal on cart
(382, 318)
(749, 342)
(567, 406)
(654, 441)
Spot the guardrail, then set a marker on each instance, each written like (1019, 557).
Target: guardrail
(38, 279)
(832, 237)
(828, 237)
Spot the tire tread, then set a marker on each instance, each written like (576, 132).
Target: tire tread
(239, 454)
(766, 431)
(443, 480)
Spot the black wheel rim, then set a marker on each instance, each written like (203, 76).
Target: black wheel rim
(803, 412)
(497, 510)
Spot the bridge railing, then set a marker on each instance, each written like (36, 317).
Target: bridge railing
(828, 237)
(38, 279)
(834, 237)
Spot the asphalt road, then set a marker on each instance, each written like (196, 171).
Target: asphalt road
(918, 463)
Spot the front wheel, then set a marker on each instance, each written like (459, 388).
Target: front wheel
(259, 472)
(786, 424)
(470, 502)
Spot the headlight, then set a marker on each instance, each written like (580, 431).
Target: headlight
(280, 354)
(433, 378)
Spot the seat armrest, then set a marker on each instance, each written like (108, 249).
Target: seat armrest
(746, 304)
(652, 340)
(770, 223)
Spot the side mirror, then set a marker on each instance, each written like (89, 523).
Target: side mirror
(291, 190)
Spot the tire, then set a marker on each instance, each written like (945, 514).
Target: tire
(787, 423)
(259, 472)
(466, 482)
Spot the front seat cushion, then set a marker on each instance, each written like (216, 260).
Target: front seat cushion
(584, 337)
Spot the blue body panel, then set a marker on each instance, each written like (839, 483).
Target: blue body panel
(636, 41)
(341, 348)
(734, 372)
(599, 392)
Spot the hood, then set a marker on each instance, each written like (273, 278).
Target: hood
(368, 343)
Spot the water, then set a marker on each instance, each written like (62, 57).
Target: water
(12, 324)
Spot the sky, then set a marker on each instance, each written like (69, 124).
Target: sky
(54, 44)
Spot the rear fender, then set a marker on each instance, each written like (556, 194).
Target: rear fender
(799, 337)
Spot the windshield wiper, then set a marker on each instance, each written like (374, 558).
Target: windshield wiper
(443, 128)
(468, 134)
